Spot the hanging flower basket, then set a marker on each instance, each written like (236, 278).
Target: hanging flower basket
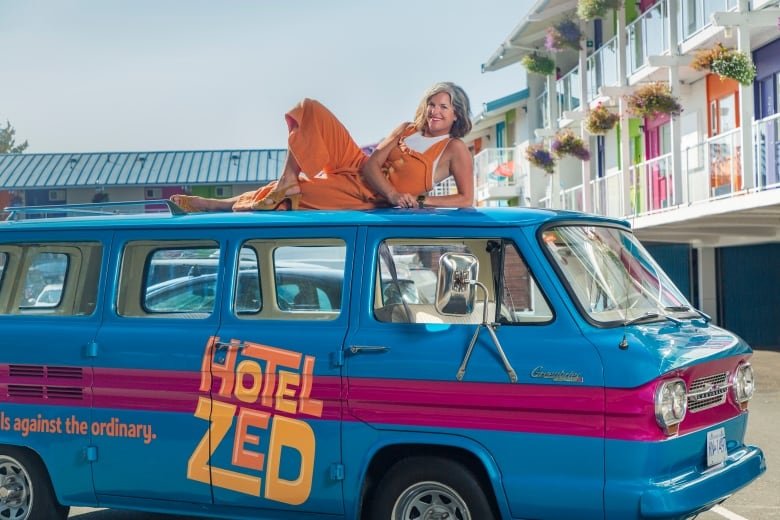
(600, 120)
(537, 64)
(566, 143)
(590, 9)
(726, 63)
(652, 99)
(538, 155)
(563, 35)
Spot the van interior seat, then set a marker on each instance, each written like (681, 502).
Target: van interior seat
(427, 313)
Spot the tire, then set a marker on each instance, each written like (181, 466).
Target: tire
(25, 488)
(429, 487)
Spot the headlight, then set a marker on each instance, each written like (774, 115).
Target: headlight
(743, 384)
(671, 403)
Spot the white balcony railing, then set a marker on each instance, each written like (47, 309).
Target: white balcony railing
(495, 168)
(766, 147)
(571, 198)
(542, 114)
(603, 68)
(607, 195)
(648, 35)
(712, 168)
(568, 88)
(695, 15)
(652, 185)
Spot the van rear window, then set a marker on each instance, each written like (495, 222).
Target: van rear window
(57, 279)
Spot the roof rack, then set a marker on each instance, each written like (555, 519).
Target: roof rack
(93, 209)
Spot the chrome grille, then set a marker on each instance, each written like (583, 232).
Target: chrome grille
(708, 392)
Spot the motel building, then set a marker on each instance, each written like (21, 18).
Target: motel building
(701, 189)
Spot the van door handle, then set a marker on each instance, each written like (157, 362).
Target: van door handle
(368, 349)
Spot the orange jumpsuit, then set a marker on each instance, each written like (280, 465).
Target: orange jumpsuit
(331, 160)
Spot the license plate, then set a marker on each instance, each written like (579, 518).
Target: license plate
(716, 446)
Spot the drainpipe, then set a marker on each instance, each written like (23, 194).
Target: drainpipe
(680, 184)
(625, 142)
(552, 103)
(745, 106)
(587, 196)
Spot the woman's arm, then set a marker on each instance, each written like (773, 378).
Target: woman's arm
(372, 171)
(461, 167)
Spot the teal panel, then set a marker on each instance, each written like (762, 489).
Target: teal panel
(749, 298)
(675, 260)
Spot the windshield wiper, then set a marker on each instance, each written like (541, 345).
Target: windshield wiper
(652, 316)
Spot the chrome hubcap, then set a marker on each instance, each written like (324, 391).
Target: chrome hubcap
(430, 501)
(15, 490)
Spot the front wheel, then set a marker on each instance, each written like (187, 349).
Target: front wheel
(430, 488)
(25, 489)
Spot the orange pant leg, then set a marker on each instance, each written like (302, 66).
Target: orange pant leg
(319, 142)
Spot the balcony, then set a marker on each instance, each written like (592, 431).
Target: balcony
(648, 36)
(568, 88)
(602, 68)
(652, 185)
(766, 145)
(496, 174)
(695, 15)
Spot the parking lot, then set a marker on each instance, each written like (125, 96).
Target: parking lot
(760, 501)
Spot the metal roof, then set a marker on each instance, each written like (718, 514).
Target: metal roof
(105, 169)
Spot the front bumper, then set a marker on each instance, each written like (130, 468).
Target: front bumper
(687, 494)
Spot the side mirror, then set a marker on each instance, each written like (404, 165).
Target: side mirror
(455, 290)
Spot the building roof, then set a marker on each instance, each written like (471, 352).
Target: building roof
(527, 34)
(106, 169)
(506, 101)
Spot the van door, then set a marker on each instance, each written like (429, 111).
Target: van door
(543, 433)
(275, 384)
(148, 363)
(49, 316)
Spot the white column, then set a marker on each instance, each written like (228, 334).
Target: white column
(680, 183)
(745, 106)
(625, 141)
(708, 282)
(552, 103)
(587, 196)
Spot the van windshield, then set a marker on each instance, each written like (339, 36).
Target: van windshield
(611, 275)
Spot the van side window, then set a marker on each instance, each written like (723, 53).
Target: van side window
(407, 272)
(3, 261)
(56, 279)
(169, 279)
(521, 299)
(299, 279)
(43, 280)
(409, 269)
(248, 297)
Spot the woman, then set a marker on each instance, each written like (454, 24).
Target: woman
(326, 169)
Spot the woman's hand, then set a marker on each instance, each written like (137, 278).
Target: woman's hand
(402, 200)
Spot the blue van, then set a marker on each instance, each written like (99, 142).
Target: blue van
(393, 364)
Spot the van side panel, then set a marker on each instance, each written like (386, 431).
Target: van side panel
(147, 377)
(46, 375)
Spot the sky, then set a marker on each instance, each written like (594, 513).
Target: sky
(148, 75)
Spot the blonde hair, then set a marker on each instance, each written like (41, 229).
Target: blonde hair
(460, 102)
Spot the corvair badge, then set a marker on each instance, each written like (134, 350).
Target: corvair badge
(559, 376)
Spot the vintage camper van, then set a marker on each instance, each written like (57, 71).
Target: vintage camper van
(392, 364)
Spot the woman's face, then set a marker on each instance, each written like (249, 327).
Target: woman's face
(440, 114)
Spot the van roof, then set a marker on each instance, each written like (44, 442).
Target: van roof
(468, 217)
